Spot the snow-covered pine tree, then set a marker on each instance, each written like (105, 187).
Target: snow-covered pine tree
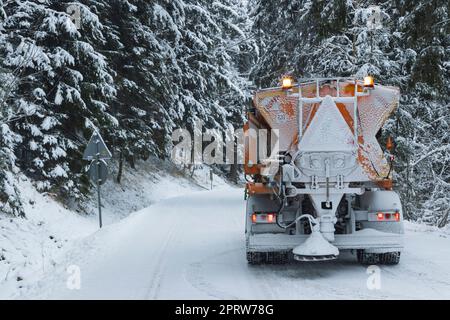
(410, 50)
(322, 38)
(240, 50)
(201, 64)
(175, 62)
(210, 58)
(299, 37)
(276, 33)
(138, 62)
(10, 201)
(233, 52)
(65, 85)
(425, 112)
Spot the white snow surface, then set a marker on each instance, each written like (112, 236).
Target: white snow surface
(193, 247)
(32, 247)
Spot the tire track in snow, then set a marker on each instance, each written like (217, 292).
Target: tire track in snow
(264, 282)
(308, 281)
(423, 276)
(158, 273)
(212, 263)
(194, 274)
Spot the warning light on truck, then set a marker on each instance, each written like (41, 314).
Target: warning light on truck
(369, 82)
(287, 83)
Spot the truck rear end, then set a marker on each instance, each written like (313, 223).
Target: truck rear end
(319, 181)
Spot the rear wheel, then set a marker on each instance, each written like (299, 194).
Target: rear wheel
(367, 258)
(256, 258)
(277, 257)
(388, 258)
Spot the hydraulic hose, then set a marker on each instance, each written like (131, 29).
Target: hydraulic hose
(308, 216)
(278, 214)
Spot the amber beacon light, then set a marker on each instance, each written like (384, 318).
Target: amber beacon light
(369, 82)
(287, 83)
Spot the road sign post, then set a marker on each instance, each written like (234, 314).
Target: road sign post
(97, 151)
(98, 185)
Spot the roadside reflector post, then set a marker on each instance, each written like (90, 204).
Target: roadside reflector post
(97, 152)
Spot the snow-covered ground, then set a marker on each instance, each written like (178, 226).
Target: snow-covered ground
(192, 247)
(31, 248)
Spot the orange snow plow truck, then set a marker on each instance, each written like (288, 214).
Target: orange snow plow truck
(318, 180)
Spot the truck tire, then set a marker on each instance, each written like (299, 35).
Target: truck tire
(367, 258)
(390, 258)
(277, 257)
(255, 258)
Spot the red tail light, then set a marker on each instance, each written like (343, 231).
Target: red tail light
(260, 217)
(385, 216)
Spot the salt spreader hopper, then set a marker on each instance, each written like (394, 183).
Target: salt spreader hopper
(323, 184)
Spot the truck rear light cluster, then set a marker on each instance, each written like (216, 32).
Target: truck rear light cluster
(269, 217)
(388, 216)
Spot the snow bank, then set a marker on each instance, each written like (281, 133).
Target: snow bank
(30, 247)
(152, 181)
(422, 227)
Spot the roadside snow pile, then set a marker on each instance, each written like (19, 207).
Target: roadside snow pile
(202, 175)
(31, 247)
(419, 227)
(28, 247)
(152, 181)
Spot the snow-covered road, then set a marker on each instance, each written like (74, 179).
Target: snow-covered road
(192, 247)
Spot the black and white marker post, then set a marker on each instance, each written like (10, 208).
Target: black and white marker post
(97, 151)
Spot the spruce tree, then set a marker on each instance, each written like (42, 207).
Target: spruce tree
(409, 50)
(65, 86)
